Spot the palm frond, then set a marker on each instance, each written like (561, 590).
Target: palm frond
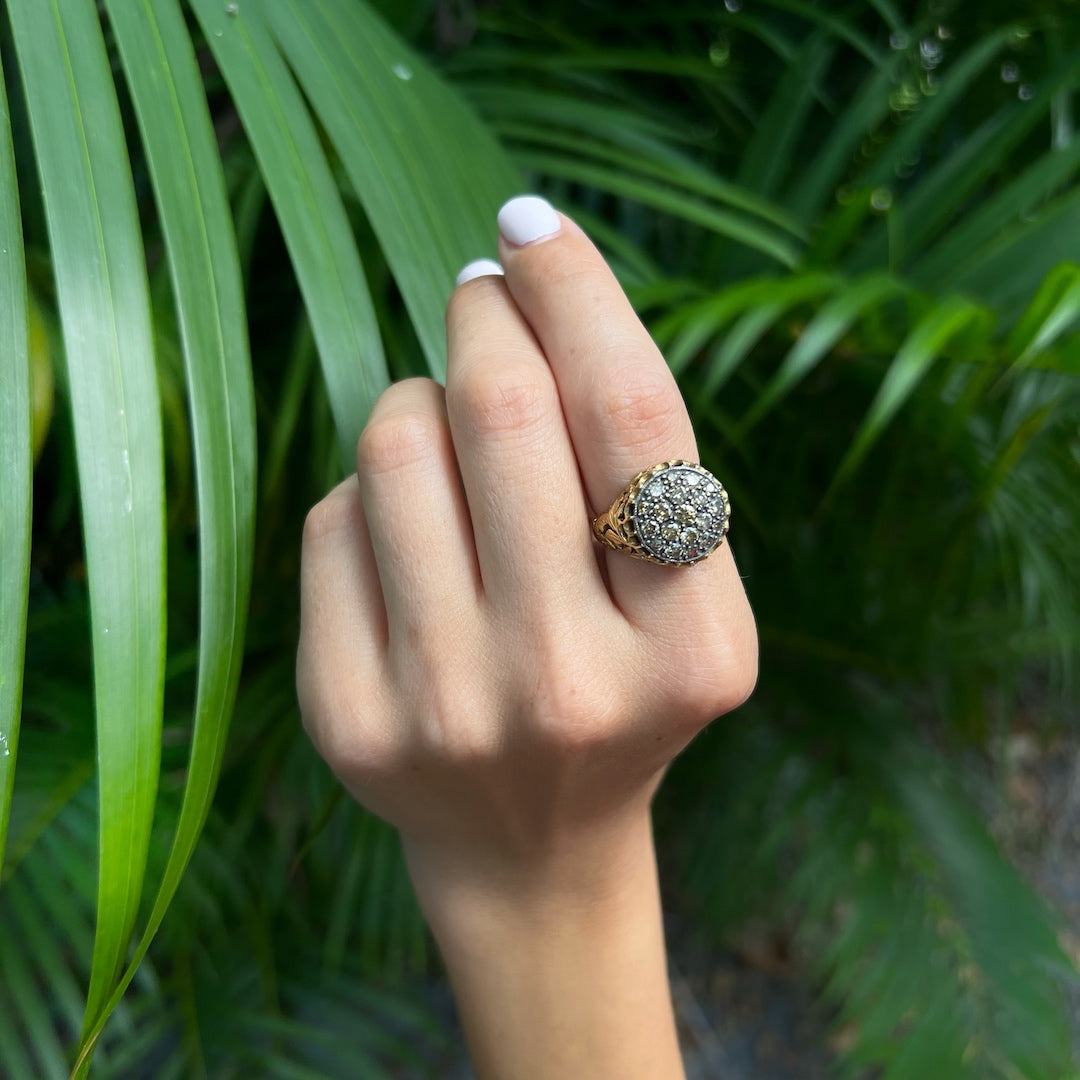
(884, 889)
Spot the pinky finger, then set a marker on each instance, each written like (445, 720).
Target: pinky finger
(343, 628)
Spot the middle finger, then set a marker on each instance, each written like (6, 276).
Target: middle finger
(517, 465)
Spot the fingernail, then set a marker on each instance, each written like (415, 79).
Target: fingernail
(526, 219)
(479, 268)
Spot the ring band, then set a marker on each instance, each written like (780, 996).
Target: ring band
(675, 513)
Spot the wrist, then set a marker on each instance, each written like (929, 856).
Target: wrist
(559, 968)
(581, 873)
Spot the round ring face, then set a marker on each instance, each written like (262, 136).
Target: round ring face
(680, 514)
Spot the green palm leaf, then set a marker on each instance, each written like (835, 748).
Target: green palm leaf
(963, 247)
(98, 263)
(736, 226)
(835, 318)
(934, 111)
(946, 188)
(621, 139)
(429, 176)
(730, 352)
(686, 329)
(194, 214)
(15, 466)
(25, 1000)
(814, 188)
(1053, 310)
(782, 125)
(1011, 269)
(927, 340)
(310, 211)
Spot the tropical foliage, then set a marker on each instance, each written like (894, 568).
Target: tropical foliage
(225, 226)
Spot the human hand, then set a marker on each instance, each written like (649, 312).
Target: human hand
(473, 666)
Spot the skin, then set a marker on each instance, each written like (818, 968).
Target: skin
(480, 673)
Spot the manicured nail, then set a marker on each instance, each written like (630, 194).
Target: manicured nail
(526, 219)
(479, 268)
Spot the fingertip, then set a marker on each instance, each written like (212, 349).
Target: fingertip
(528, 219)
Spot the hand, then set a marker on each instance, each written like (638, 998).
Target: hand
(472, 665)
(482, 674)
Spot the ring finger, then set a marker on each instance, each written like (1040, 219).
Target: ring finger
(622, 405)
(416, 515)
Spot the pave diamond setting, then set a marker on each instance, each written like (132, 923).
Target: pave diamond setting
(678, 512)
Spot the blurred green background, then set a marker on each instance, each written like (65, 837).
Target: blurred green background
(854, 229)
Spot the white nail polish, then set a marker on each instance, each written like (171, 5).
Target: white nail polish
(479, 268)
(528, 218)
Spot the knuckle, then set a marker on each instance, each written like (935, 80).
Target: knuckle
(455, 729)
(577, 735)
(328, 516)
(460, 737)
(585, 275)
(722, 685)
(574, 710)
(643, 405)
(468, 746)
(464, 301)
(318, 710)
(744, 672)
(352, 740)
(507, 402)
(396, 442)
(364, 755)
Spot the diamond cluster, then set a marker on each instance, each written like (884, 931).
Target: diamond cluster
(680, 514)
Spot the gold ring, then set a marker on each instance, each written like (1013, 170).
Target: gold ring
(675, 513)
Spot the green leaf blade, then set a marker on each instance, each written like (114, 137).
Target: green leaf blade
(99, 266)
(965, 246)
(759, 319)
(809, 195)
(653, 159)
(26, 947)
(1053, 310)
(16, 465)
(1013, 268)
(204, 265)
(310, 211)
(783, 123)
(396, 126)
(920, 349)
(958, 77)
(823, 332)
(948, 187)
(736, 226)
